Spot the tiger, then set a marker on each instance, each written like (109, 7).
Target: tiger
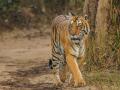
(68, 42)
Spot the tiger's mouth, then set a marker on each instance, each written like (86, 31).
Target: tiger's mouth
(75, 37)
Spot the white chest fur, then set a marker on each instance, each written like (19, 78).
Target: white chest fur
(78, 50)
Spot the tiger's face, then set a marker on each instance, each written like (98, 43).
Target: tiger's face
(78, 24)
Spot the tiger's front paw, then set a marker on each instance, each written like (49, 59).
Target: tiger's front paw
(80, 83)
(59, 83)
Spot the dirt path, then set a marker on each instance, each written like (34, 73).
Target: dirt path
(24, 65)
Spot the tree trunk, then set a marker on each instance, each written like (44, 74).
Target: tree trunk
(90, 8)
(42, 6)
(98, 12)
(102, 20)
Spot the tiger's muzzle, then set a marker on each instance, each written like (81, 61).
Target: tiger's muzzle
(75, 39)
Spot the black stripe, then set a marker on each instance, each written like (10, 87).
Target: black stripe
(55, 34)
(55, 57)
(73, 47)
(54, 44)
(86, 30)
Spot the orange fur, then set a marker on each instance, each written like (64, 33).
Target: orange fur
(69, 53)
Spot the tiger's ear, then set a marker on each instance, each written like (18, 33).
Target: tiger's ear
(86, 17)
(71, 14)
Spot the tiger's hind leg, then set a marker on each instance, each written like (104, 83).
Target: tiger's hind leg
(70, 80)
(66, 76)
(58, 81)
(55, 71)
(63, 73)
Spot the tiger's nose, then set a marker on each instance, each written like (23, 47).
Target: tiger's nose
(73, 34)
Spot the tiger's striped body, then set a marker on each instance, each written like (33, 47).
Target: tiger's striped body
(68, 46)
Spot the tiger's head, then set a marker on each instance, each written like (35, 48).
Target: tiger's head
(79, 27)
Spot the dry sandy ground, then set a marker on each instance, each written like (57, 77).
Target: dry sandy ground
(24, 65)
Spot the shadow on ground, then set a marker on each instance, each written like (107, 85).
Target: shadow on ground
(20, 79)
